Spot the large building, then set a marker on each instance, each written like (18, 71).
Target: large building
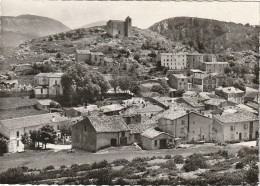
(180, 61)
(218, 67)
(178, 81)
(13, 129)
(48, 85)
(119, 28)
(204, 82)
(236, 126)
(96, 132)
(231, 94)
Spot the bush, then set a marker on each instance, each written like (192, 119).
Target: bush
(170, 164)
(168, 156)
(13, 176)
(50, 167)
(239, 165)
(178, 159)
(63, 167)
(245, 151)
(252, 174)
(194, 162)
(120, 162)
(99, 165)
(223, 153)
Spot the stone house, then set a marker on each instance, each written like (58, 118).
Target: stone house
(119, 28)
(113, 109)
(80, 111)
(43, 104)
(13, 129)
(238, 126)
(97, 58)
(96, 132)
(217, 103)
(48, 85)
(178, 81)
(153, 139)
(217, 67)
(189, 126)
(204, 82)
(149, 110)
(82, 55)
(231, 94)
(194, 60)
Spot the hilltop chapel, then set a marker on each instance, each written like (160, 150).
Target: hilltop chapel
(119, 28)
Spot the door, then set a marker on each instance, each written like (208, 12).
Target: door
(113, 142)
(256, 134)
(163, 144)
(123, 141)
(240, 136)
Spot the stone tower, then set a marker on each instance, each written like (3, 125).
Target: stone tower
(128, 27)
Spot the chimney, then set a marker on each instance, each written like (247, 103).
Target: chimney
(53, 119)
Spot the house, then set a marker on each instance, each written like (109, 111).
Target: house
(97, 58)
(13, 129)
(194, 71)
(153, 139)
(97, 132)
(204, 82)
(48, 85)
(231, 94)
(82, 55)
(194, 60)
(43, 104)
(217, 103)
(113, 109)
(131, 116)
(209, 58)
(235, 126)
(118, 28)
(178, 81)
(189, 126)
(194, 102)
(80, 111)
(218, 67)
(222, 79)
(149, 110)
(134, 101)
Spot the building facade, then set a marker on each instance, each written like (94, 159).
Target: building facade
(118, 28)
(48, 85)
(211, 67)
(178, 81)
(231, 94)
(204, 82)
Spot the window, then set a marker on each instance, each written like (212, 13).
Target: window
(123, 134)
(17, 142)
(56, 82)
(17, 134)
(245, 135)
(85, 128)
(58, 127)
(41, 91)
(245, 126)
(232, 127)
(155, 143)
(183, 122)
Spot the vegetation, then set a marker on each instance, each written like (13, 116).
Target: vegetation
(3, 145)
(178, 159)
(194, 162)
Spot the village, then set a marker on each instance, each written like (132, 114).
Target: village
(103, 103)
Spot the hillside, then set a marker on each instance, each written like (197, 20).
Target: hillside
(94, 39)
(209, 36)
(16, 30)
(98, 23)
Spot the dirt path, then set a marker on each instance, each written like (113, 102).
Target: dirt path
(41, 159)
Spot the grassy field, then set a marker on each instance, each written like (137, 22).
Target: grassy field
(14, 102)
(41, 159)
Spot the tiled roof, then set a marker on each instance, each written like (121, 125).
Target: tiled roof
(139, 128)
(151, 133)
(193, 101)
(175, 114)
(179, 76)
(50, 75)
(108, 123)
(200, 75)
(110, 108)
(83, 51)
(216, 63)
(34, 120)
(230, 90)
(44, 101)
(150, 108)
(237, 116)
(214, 101)
(86, 109)
(253, 104)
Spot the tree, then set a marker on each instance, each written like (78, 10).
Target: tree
(3, 145)
(26, 140)
(35, 137)
(159, 89)
(240, 84)
(66, 130)
(58, 55)
(124, 83)
(114, 83)
(48, 135)
(179, 93)
(227, 70)
(256, 73)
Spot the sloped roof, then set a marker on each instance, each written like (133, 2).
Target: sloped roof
(108, 123)
(216, 63)
(35, 120)
(150, 108)
(50, 75)
(152, 133)
(110, 108)
(44, 101)
(86, 109)
(230, 90)
(237, 116)
(180, 76)
(193, 101)
(174, 115)
(214, 101)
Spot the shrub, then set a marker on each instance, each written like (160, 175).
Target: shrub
(239, 165)
(99, 165)
(63, 167)
(178, 159)
(50, 167)
(252, 174)
(69, 180)
(245, 151)
(170, 164)
(223, 153)
(168, 156)
(120, 162)
(194, 162)
(13, 176)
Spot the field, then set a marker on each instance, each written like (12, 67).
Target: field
(201, 165)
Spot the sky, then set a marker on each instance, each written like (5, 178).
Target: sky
(75, 14)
